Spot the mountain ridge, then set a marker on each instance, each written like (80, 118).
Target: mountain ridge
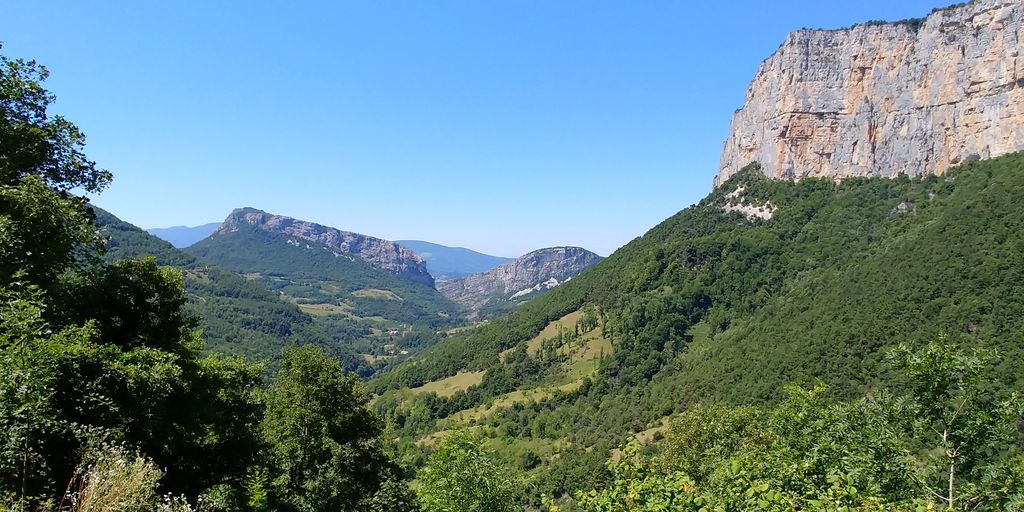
(535, 271)
(322, 278)
(184, 236)
(237, 317)
(378, 252)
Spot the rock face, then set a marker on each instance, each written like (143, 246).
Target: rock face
(532, 272)
(375, 251)
(883, 99)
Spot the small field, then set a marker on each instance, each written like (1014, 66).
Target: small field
(553, 329)
(326, 309)
(373, 293)
(370, 358)
(451, 385)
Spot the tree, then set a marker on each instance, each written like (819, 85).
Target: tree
(41, 159)
(323, 442)
(462, 476)
(958, 416)
(32, 426)
(639, 486)
(32, 143)
(92, 352)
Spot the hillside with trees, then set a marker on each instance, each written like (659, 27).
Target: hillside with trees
(236, 317)
(719, 306)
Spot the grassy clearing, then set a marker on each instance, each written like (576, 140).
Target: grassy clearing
(327, 309)
(507, 400)
(370, 358)
(373, 293)
(431, 439)
(647, 436)
(553, 329)
(451, 385)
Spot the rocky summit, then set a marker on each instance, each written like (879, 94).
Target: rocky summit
(881, 99)
(533, 272)
(380, 253)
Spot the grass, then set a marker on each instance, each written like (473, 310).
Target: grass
(373, 293)
(508, 400)
(451, 385)
(552, 330)
(370, 358)
(326, 309)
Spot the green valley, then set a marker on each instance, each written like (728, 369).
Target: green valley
(836, 326)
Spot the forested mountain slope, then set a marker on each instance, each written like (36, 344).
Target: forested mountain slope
(382, 254)
(320, 277)
(762, 283)
(236, 316)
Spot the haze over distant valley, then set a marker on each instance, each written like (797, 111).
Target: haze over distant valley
(184, 236)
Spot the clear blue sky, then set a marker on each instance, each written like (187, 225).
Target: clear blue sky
(499, 126)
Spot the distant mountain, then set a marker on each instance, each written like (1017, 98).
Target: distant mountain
(383, 254)
(236, 316)
(184, 236)
(332, 272)
(521, 279)
(447, 263)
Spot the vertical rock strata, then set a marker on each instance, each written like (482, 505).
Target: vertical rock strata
(913, 97)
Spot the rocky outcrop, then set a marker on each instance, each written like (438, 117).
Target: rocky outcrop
(533, 272)
(380, 253)
(883, 99)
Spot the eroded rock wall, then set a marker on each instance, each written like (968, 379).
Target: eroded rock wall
(884, 99)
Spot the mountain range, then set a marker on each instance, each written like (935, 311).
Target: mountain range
(184, 236)
(447, 263)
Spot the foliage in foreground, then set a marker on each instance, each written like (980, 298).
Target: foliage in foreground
(462, 475)
(945, 444)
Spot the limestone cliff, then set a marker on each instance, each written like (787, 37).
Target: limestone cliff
(883, 99)
(533, 272)
(375, 251)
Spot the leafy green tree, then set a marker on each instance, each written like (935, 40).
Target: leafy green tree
(41, 159)
(43, 234)
(323, 442)
(95, 352)
(34, 143)
(959, 420)
(639, 486)
(32, 426)
(463, 476)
